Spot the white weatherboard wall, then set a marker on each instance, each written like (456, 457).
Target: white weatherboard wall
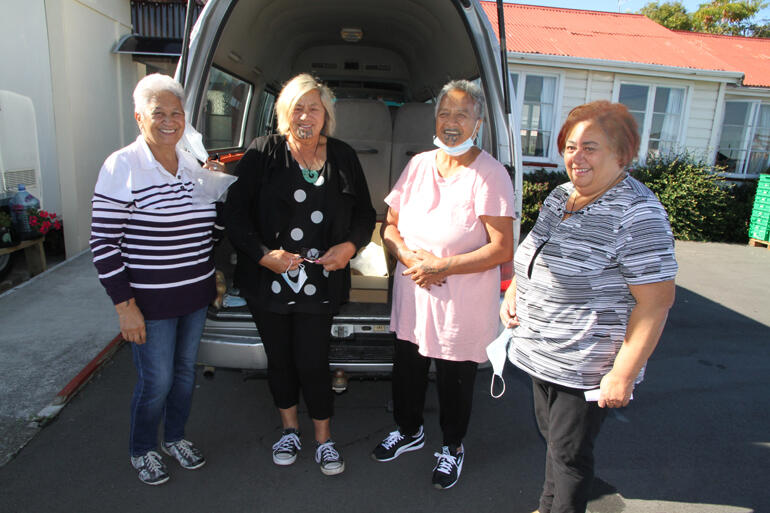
(91, 100)
(585, 85)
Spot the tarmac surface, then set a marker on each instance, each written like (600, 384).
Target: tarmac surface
(695, 440)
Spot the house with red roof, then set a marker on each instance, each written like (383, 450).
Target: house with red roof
(703, 94)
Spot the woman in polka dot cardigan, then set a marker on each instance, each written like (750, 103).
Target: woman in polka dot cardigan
(297, 214)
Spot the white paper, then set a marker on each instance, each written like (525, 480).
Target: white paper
(593, 395)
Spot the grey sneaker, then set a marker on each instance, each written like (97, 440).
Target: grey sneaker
(330, 460)
(188, 456)
(151, 469)
(285, 450)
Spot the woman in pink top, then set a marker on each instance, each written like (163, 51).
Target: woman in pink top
(450, 225)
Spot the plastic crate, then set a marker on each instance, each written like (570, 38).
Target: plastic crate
(764, 178)
(759, 233)
(760, 217)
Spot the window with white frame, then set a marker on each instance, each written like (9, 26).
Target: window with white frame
(658, 111)
(536, 98)
(744, 147)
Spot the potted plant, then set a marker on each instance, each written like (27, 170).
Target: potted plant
(41, 221)
(6, 234)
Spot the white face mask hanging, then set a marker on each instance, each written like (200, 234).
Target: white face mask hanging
(497, 352)
(301, 276)
(461, 148)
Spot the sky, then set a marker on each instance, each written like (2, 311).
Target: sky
(625, 5)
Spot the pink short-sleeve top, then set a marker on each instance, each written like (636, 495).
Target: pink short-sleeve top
(457, 320)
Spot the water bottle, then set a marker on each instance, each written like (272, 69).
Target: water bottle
(18, 205)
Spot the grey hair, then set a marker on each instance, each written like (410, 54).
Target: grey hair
(295, 89)
(153, 84)
(468, 87)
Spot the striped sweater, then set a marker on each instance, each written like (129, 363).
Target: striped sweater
(149, 240)
(572, 278)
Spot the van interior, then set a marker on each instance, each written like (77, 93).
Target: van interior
(385, 63)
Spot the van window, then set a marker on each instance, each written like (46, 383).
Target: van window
(266, 122)
(227, 102)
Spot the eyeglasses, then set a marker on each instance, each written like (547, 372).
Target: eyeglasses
(534, 256)
(309, 255)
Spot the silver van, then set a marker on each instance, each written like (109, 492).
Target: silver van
(385, 62)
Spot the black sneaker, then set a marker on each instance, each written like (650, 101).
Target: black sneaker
(152, 470)
(188, 456)
(448, 467)
(396, 443)
(285, 450)
(330, 460)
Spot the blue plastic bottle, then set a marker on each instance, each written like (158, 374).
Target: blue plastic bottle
(18, 205)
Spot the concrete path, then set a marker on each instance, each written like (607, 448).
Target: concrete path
(50, 327)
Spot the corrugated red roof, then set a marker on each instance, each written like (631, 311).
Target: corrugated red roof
(628, 38)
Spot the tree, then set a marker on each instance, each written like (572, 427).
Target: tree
(671, 15)
(728, 17)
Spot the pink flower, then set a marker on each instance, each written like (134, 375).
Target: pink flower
(33, 221)
(43, 213)
(57, 225)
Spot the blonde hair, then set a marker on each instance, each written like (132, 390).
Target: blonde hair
(292, 91)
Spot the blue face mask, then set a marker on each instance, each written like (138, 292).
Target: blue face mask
(458, 150)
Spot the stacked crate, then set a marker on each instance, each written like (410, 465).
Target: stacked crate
(759, 229)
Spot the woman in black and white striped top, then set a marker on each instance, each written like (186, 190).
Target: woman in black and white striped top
(151, 238)
(594, 281)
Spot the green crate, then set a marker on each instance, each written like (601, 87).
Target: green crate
(763, 189)
(764, 178)
(762, 234)
(762, 200)
(759, 217)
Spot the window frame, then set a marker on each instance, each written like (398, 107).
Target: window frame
(644, 131)
(756, 105)
(245, 120)
(518, 81)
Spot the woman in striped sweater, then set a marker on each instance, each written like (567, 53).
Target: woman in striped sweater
(594, 282)
(151, 240)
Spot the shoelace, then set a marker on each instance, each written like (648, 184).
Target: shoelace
(327, 452)
(153, 462)
(445, 461)
(288, 442)
(184, 447)
(392, 439)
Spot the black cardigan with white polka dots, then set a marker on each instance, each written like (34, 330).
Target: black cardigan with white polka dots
(256, 211)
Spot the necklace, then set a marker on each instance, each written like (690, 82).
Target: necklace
(590, 201)
(309, 175)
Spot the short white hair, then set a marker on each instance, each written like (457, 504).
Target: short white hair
(153, 84)
(469, 88)
(295, 89)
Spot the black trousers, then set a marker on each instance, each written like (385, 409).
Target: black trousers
(569, 425)
(454, 381)
(297, 347)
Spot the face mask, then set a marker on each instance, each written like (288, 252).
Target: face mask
(497, 352)
(301, 275)
(458, 150)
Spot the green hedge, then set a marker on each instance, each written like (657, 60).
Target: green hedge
(701, 205)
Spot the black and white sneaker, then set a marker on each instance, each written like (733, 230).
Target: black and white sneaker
(396, 443)
(152, 470)
(330, 460)
(285, 450)
(188, 456)
(448, 467)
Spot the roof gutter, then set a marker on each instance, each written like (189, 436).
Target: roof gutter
(631, 68)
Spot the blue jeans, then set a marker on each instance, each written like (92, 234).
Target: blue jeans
(165, 368)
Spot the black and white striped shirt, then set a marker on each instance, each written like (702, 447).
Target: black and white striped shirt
(572, 278)
(149, 239)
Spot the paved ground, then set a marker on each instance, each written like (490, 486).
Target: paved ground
(695, 439)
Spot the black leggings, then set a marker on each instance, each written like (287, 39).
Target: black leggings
(297, 347)
(454, 381)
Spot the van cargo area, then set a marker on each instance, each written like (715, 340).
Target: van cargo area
(385, 62)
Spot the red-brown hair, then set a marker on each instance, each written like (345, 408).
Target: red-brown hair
(614, 120)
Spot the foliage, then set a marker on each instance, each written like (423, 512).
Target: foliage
(671, 15)
(537, 186)
(5, 219)
(41, 221)
(701, 205)
(726, 17)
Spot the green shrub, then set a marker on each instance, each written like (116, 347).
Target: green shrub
(701, 205)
